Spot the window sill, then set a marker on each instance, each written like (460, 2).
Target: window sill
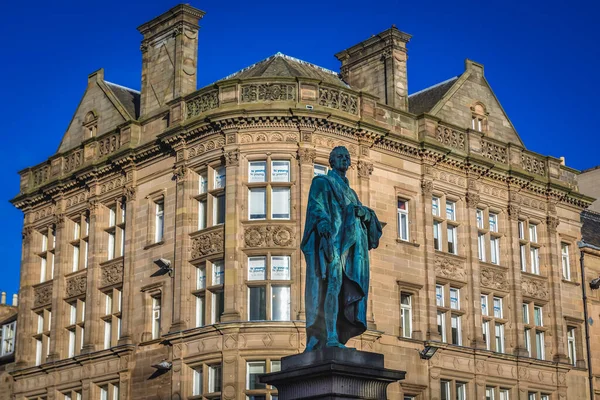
(406, 242)
(571, 282)
(152, 245)
(150, 342)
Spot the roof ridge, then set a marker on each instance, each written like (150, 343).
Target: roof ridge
(284, 56)
(434, 86)
(122, 87)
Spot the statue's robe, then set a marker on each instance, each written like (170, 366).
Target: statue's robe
(332, 200)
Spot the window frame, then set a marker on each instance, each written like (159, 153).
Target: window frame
(268, 284)
(270, 185)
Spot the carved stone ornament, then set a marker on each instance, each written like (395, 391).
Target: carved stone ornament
(269, 236)
(494, 279)
(533, 165)
(427, 188)
(232, 158)
(493, 151)
(535, 288)
(473, 200)
(450, 138)
(449, 268)
(27, 231)
(112, 274)
(202, 103)
(59, 220)
(552, 223)
(207, 243)
(42, 295)
(76, 285)
(334, 98)
(268, 92)
(129, 192)
(364, 169)
(307, 156)
(180, 173)
(93, 205)
(513, 211)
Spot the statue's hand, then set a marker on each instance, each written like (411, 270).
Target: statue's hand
(324, 229)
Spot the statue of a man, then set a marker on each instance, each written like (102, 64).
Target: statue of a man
(338, 235)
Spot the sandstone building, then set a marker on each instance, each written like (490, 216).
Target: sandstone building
(161, 242)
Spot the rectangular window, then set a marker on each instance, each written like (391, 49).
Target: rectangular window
(219, 209)
(535, 260)
(572, 345)
(444, 390)
(257, 268)
(481, 246)
(454, 298)
(504, 394)
(525, 313)
(479, 215)
(435, 206)
(72, 343)
(75, 258)
(156, 317)
(43, 268)
(218, 275)
(108, 334)
(545, 397)
(159, 220)
(456, 330)
(201, 277)
(257, 171)
(111, 245)
(8, 338)
(38, 351)
(441, 323)
(214, 378)
(403, 220)
(197, 381)
(498, 307)
(485, 328)
(202, 183)
(523, 257)
(253, 370)
(406, 314)
(539, 345)
(280, 268)
(495, 250)
(218, 306)
(280, 303)
(257, 303)
(319, 169)
(200, 310)
(499, 328)
(566, 267)
(527, 337)
(280, 203)
(493, 222)
(522, 230)
(537, 316)
(489, 393)
(220, 181)
(202, 214)
(280, 171)
(439, 295)
(452, 240)
(532, 396)
(533, 233)
(461, 391)
(484, 305)
(451, 210)
(437, 235)
(258, 203)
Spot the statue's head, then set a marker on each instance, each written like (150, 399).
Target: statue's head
(339, 159)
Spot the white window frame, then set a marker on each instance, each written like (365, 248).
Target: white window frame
(572, 344)
(403, 221)
(566, 264)
(406, 315)
(499, 337)
(156, 316)
(159, 220)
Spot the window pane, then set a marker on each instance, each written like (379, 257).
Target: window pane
(218, 272)
(320, 169)
(218, 306)
(485, 327)
(197, 382)
(493, 222)
(258, 203)
(201, 214)
(461, 391)
(280, 268)
(537, 316)
(254, 369)
(201, 277)
(435, 206)
(257, 303)
(200, 310)
(539, 345)
(219, 209)
(280, 203)
(527, 337)
(444, 390)
(220, 178)
(452, 246)
(403, 219)
(495, 250)
(497, 307)
(521, 230)
(214, 378)
(437, 242)
(441, 322)
(454, 298)
(481, 246)
(451, 210)
(456, 333)
(280, 171)
(203, 183)
(280, 305)
(257, 171)
(525, 313)
(257, 269)
(479, 215)
(439, 295)
(484, 304)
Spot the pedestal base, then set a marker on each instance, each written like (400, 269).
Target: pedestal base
(333, 374)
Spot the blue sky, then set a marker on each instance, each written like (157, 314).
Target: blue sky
(541, 58)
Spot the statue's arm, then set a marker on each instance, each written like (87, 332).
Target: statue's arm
(318, 205)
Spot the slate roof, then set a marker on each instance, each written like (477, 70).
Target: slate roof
(280, 65)
(129, 98)
(590, 231)
(424, 100)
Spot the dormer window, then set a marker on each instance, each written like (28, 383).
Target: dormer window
(479, 117)
(90, 124)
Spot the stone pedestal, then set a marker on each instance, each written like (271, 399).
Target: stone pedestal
(333, 374)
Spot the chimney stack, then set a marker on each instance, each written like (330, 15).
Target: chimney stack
(3, 298)
(169, 56)
(378, 66)
(15, 300)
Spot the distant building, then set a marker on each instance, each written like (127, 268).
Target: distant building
(8, 337)
(589, 183)
(161, 242)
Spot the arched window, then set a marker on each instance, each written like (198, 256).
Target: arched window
(479, 117)
(90, 124)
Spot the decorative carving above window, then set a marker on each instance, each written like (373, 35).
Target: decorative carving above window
(334, 98)
(493, 151)
(268, 92)
(112, 273)
(533, 165)
(202, 103)
(269, 236)
(494, 279)
(449, 268)
(43, 295)
(76, 285)
(208, 243)
(537, 288)
(450, 137)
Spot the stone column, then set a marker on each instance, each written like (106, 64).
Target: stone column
(24, 351)
(232, 227)
(59, 316)
(127, 311)
(364, 169)
(429, 260)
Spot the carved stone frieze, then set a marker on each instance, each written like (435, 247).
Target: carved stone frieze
(73, 160)
(450, 137)
(335, 98)
(109, 144)
(42, 295)
(552, 223)
(232, 158)
(494, 279)
(449, 268)
(202, 103)
(325, 141)
(207, 243)
(473, 199)
(41, 175)
(76, 285)
(307, 156)
(43, 212)
(269, 236)
(268, 92)
(112, 184)
(535, 288)
(493, 151)
(112, 274)
(364, 169)
(533, 165)
(76, 199)
(205, 146)
(291, 137)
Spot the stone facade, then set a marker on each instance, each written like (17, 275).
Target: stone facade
(176, 182)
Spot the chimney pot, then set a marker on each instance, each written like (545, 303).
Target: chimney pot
(3, 298)
(15, 300)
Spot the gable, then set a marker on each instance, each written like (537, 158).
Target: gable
(102, 104)
(472, 92)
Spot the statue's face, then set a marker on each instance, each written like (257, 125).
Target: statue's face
(340, 159)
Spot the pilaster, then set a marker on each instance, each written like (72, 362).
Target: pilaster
(96, 252)
(59, 316)
(429, 257)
